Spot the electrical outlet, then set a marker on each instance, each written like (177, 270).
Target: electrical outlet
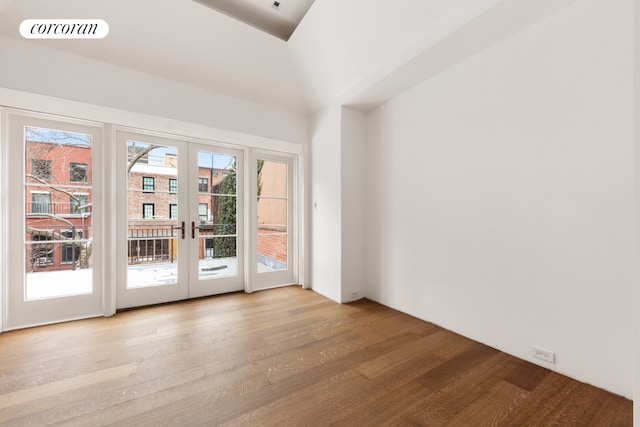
(354, 296)
(542, 354)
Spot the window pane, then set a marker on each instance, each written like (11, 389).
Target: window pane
(220, 170)
(152, 227)
(78, 204)
(147, 210)
(272, 179)
(58, 241)
(148, 183)
(40, 203)
(41, 169)
(203, 212)
(78, 172)
(272, 216)
(218, 215)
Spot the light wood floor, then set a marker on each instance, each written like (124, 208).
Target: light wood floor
(284, 357)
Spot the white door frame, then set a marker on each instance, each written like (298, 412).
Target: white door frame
(290, 276)
(188, 283)
(16, 311)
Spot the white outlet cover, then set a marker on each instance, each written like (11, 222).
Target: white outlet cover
(544, 354)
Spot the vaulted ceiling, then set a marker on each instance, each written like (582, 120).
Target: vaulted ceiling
(355, 52)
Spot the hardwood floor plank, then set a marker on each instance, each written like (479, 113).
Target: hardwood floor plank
(280, 357)
(492, 408)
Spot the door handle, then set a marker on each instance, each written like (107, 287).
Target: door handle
(182, 229)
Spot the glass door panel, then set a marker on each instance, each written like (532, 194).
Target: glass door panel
(216, 246)
(58, 199)
(52, 184)
(272, 241)
(152, 215)
(217, 215)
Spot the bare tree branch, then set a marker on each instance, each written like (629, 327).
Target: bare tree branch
(50, 216)
(139, 155)
(53, 188)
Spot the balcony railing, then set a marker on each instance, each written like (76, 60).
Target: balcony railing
(58, 208)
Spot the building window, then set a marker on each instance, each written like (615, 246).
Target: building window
(42, 253)
(148, 184)
(41, 169)
(203, 185)
(71, 253)
(78, 204)
(173, 211)
(78, 172)
(148, 210)
(173, 185)
(203, 212)
(41, 203)
(215, 174)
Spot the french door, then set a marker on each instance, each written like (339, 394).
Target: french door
(274, 250)
(55, 234)
(180, 228)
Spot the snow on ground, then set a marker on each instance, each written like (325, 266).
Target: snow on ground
(52, 284)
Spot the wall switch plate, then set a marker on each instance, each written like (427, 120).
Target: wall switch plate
(546, 355)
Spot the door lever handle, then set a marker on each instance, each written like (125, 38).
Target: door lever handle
(182, 229)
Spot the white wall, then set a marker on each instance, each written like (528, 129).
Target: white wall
(326, 220)
(31, 68)
(353, 184)
(338, 203)
(505, 206)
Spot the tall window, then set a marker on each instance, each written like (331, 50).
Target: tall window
(78, 204)
(41, 203)
(173, 211)
(203, 212)
(203, 185)
(41, 169)
(78, 172)
(173, 185)
(148, 184)
(148, 210)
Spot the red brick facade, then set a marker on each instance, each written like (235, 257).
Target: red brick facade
(58, 198)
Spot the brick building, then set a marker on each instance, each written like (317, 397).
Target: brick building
(153, 207)
(58, 199)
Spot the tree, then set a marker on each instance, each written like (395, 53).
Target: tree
(224, 211)
(224, 215)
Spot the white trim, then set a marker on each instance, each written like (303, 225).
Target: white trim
(37, 312)
(289, 276)
(4, 281)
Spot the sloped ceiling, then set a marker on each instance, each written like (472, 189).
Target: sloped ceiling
(353, 52)
(177, 39)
